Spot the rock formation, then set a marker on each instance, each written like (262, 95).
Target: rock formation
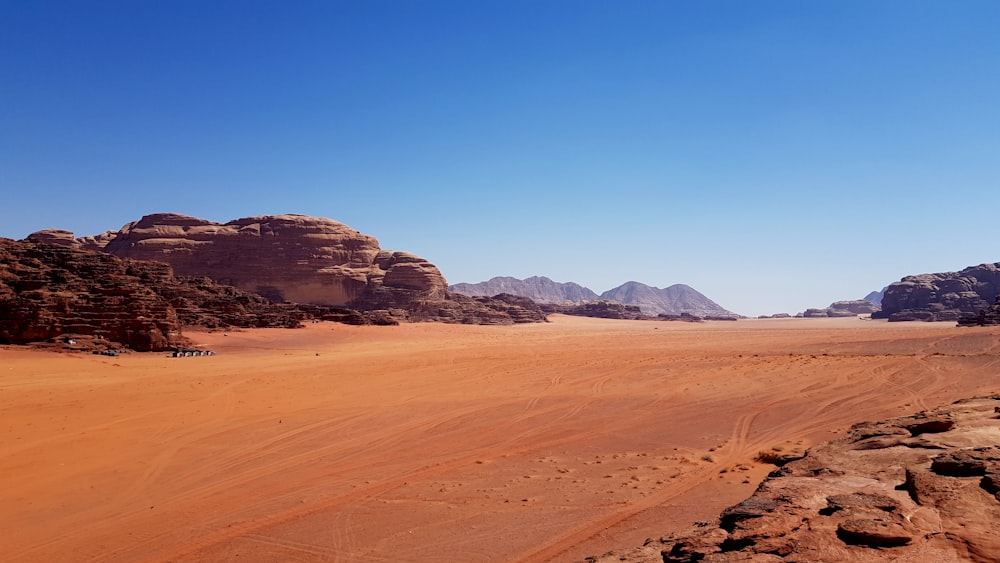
(283, 257)
(60, 237)
(843, 309)
(941, 297)
(302, 260)
(537, 288)
(47, 291)
(598, 309)
(673, 300)
(989, 316)
(50, 291)
(924, 487)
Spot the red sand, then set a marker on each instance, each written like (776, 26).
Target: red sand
(432, 442)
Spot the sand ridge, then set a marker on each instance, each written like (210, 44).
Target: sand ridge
(430, 442)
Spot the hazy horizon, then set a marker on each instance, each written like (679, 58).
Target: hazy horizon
(772, 155)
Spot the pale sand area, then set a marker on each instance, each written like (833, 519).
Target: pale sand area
(432, 442)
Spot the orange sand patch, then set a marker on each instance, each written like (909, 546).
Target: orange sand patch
(432, 442)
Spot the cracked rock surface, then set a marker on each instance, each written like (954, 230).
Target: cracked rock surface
(924, 487)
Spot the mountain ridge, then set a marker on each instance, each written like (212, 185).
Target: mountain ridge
(676, 299)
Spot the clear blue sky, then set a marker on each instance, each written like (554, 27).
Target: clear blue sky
(774, 155)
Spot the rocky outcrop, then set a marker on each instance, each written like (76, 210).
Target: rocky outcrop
(851, 308)
(574, 299)
(875, 297)
(50, 291)
(47, 291)
(924, 487)
(598, 309)
(673, 300)
(301, 260)
(291, 258)
(60, 237)
(537, 288)
(941, 297)
(989, 316)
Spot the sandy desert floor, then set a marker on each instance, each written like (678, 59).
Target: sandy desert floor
(430, 442)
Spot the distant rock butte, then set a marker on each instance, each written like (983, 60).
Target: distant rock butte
(537, 288)
(942, 297)
(924, 487)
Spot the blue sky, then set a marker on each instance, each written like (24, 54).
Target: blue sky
(774, 155)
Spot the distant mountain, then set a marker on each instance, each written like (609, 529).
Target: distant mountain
(673, 300)
(875, 297)
(537, 288)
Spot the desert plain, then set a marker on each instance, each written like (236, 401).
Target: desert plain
(434, 442)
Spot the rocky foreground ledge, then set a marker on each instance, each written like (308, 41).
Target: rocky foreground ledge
(924, 487)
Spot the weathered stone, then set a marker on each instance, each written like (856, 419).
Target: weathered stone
(873, 532)
(942, 297)
(537, 288)
(840, 503)
(299, 259)
(967, 463)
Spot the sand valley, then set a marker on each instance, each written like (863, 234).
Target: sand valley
(434, 442)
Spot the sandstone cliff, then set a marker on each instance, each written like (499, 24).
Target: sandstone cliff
(941, 297)
(302, 260)
(924, 487)
(283, 257)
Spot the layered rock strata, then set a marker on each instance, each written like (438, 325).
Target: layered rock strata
(924, 487)
(941, 297)
(291, 258)
(989, 316)
(308, 261)
(48, 291)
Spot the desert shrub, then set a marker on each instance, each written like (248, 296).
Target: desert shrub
(767, 456)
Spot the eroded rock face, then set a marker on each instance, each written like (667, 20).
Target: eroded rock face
(283, 257)
(924, 487)
(941, 297)
(302, 260)
(989, 316)
(598, 309)
(50, 290)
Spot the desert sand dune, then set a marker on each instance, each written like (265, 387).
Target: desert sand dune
(431, 442)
